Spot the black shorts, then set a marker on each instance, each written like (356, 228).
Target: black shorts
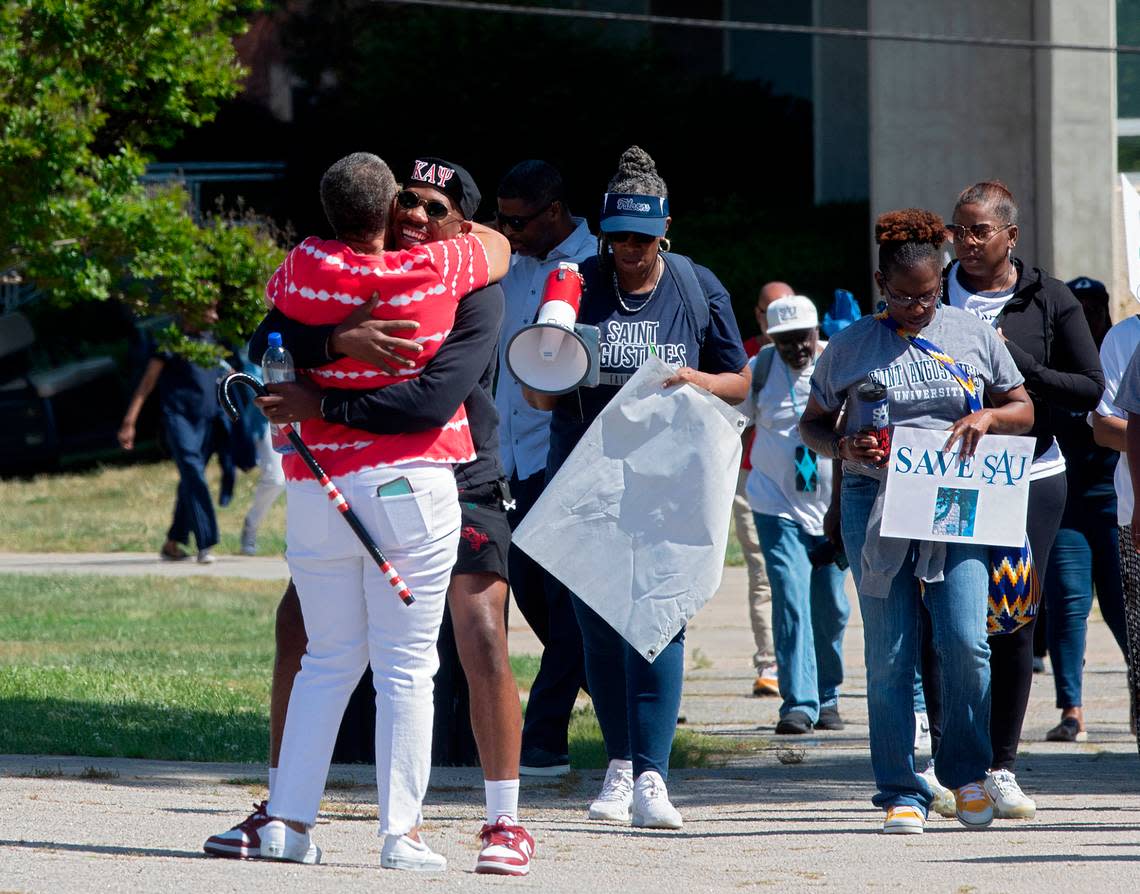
(484, 534)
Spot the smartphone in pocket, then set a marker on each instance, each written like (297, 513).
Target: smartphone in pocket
(394, 488)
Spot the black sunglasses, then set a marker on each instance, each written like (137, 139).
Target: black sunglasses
(519, 221)
(434, 208)
(627, 236)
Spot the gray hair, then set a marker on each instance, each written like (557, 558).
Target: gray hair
(637, 174)
(356, 193)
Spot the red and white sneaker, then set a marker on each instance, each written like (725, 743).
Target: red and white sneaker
(506, 849)
(243, 841)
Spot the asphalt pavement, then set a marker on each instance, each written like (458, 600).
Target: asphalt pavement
(789, 814)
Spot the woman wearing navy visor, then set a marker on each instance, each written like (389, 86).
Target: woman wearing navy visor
(645, 303)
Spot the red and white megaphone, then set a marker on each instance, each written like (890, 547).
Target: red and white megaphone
(551, 355)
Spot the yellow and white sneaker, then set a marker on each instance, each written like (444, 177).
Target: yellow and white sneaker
(975, 810)
(903, 819)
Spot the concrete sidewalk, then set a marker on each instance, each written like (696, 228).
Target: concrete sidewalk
(788, 815)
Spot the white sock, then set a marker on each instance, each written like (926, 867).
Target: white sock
(502, 800)
(272, 779)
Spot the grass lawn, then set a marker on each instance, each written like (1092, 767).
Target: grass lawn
(173, 669)
(120, 509)
(128, 509)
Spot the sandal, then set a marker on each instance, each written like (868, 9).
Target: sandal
(1068, 730)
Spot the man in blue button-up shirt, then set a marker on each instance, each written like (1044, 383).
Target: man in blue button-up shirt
(534, 217)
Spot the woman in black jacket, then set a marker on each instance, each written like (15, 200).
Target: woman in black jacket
(1045, 331)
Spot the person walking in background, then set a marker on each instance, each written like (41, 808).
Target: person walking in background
(1085, 554)
(1042, 325)
(643, 301)
(270, 486)
(188, 402)
(1110, 429)
(789, 491)
(759, 591)
(534, 216)
(903, 350)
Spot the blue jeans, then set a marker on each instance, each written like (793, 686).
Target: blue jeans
(809, 616)
(636, 702)
(191, 441)
(1084, 554)
(892, 640)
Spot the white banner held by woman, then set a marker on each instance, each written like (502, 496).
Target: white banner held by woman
(635, 522)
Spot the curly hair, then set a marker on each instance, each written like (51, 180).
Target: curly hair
(637, 173)
(907, 238)
(995, 195)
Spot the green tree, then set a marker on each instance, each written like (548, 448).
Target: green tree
(88, 88)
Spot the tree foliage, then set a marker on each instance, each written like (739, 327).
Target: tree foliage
(88, 88)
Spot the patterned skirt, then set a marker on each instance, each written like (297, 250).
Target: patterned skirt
(1130, 576)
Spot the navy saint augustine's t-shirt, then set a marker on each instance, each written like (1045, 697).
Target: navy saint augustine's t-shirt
(627, 338)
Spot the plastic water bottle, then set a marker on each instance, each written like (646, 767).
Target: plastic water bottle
(277, 366)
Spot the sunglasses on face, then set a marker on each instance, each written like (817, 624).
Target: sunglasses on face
(518, 221)
(979, 232)
(625, 236)
(927, 300)
(410, 201)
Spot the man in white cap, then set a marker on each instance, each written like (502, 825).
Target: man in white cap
(789, 490)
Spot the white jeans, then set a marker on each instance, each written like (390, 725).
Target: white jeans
(353, 616)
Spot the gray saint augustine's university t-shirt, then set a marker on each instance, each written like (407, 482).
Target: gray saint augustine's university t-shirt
(922, 392)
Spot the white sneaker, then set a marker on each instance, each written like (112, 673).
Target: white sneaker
(205, 557)
(616, 799)
(279, 842)
(248, 540)
(402, 852)
(922, 741)
(1010, 802)
(944, 803)
(651, 806)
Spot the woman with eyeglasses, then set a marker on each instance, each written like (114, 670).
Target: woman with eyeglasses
(896, 351)
(1045, 331)
(645, 303)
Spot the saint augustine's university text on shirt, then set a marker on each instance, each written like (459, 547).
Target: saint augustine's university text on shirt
(659, 325)
(921, 391)
(1116, 351)
(771, 486)
(988, 306)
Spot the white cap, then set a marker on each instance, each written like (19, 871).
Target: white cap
(791, 313)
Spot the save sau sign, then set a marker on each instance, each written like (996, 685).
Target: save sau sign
(933, 495)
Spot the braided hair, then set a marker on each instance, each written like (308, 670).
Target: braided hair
(637, 174)
(907, 238)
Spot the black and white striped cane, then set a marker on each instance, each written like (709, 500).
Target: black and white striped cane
(334, 495)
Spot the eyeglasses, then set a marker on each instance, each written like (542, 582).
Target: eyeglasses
(627, 236)
(519, 221)
(979, 232)
(434, 208)
(908, 301)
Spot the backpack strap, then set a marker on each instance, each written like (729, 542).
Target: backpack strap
(692, 295)
(761, 367)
